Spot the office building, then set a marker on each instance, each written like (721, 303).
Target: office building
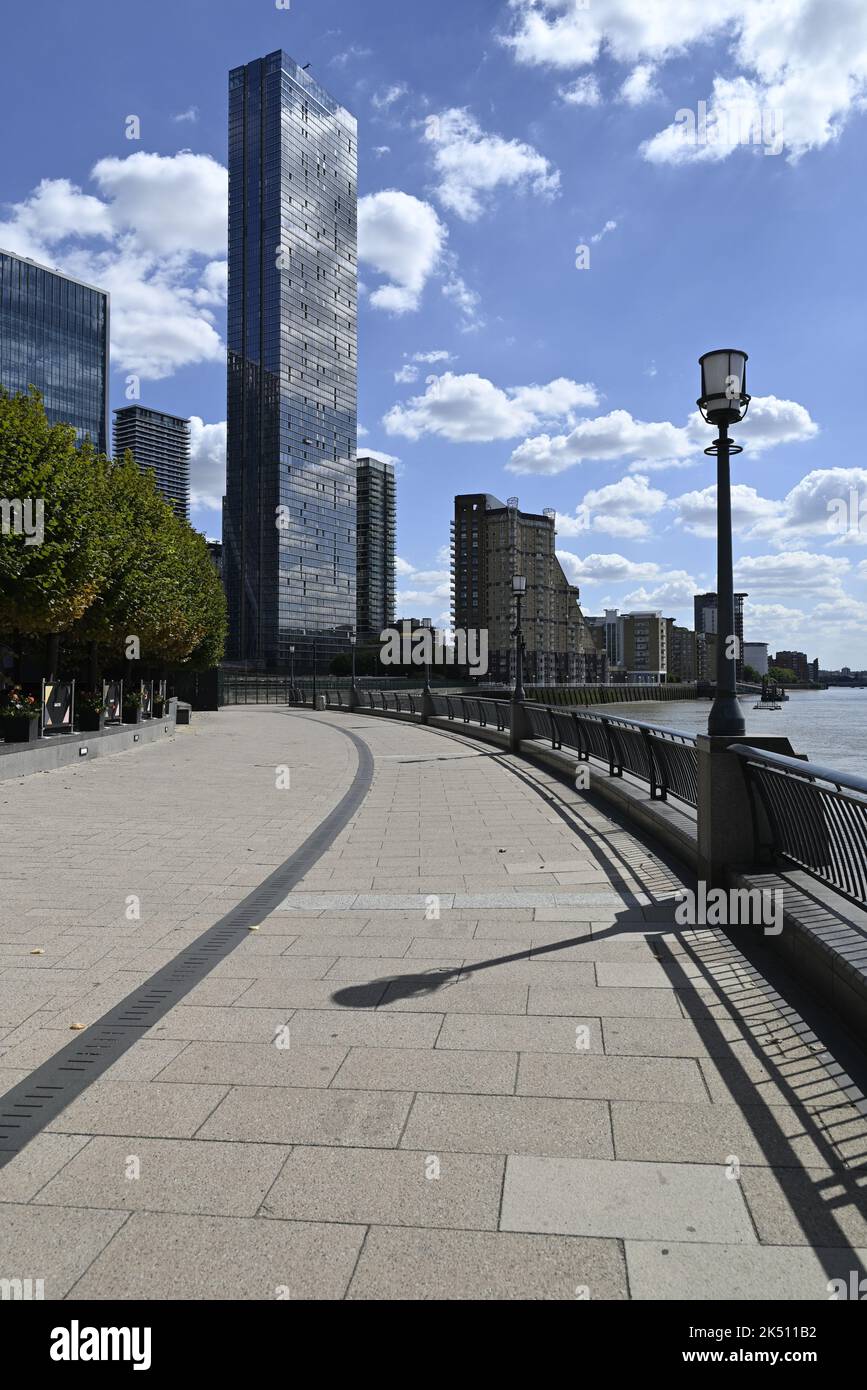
(160, 444)
(493, 541)
(376, 542)
(54, 335)
(290, 510)
(215, 550)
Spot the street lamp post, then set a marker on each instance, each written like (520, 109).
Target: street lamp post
(519, 589)
(723, 402)
(352, 642)
(426, 624)
(292, 676)
(314, 673)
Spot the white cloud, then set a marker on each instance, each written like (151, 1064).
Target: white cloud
(438, 355)
(407, 373)
(191, 114)
(173, 203)
(609, 227)
(613, 436)
(793, 572)
(214, 284)
(380, 150)
(466, 300)
(402, 567)
(697, 511)
(207, 464)
(618, 509)
(619, 436)
(144, 243)
(470, 408)
(639, 86)
(403, 239)
(385, 99)
(583, 92)
(471, 165)
(793, 57)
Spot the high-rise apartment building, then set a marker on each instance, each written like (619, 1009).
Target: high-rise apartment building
(54, 335)
(160, 444)
(794, 661)
(376, 546)
(645, 647)
(707, 620)
(492, 542)
(683, 661)
(290, 512)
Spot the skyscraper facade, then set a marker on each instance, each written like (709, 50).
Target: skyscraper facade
(376, 546)
(160, 444)
(54, 335)
(289, 519)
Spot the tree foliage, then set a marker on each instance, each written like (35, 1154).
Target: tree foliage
(115, 561)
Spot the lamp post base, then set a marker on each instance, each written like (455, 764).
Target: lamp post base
(727, 717)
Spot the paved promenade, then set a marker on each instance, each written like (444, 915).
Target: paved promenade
(466, 1055)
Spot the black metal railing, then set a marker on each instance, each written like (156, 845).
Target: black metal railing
(817, 818)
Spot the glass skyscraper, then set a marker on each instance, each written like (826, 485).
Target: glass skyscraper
(289, 519)
(54, 336)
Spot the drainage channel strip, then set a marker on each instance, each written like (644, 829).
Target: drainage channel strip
(34, 1103)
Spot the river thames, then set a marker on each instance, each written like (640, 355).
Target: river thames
(830, 726)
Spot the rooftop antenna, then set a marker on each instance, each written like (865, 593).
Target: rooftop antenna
(306, 66)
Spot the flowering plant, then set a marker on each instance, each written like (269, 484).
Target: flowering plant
(90, 702)
(15, 704)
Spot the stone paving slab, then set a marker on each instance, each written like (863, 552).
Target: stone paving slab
(399, 1264)
(610, 1078)
(638, 1201)
(140, 1108)
(168, 1175)
(735, 1272)
(384, 1187)
(56, 1246)
(161, 1256)
(283, 1115)
(509, 1125)
(402, 1069)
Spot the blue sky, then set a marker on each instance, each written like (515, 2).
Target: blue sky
(495, 139)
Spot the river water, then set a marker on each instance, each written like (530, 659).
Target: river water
(830, 726)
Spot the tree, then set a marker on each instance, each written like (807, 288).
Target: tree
(782, 675)
(56, 492)
(751, 674)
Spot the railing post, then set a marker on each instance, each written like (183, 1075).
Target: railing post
(725, 811)
(519, 726)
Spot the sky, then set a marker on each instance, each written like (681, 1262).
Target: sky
(563, 203)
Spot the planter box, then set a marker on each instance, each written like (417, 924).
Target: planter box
(161, 709)
(131, 716)
(20, 730)
(89, 722)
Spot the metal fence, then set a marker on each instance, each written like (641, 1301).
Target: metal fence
(817, 818)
